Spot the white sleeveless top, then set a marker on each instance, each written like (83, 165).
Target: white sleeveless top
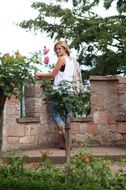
(67, 74)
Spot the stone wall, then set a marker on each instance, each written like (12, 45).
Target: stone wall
(105, 126)
(35, 129)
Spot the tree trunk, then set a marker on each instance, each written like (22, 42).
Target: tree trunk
(2, 103)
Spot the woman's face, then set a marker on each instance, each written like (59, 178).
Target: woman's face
(60, 51)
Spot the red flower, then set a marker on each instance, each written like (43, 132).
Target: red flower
(86, 158)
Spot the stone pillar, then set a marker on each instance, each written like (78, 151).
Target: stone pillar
(104, 105)
(29, 101)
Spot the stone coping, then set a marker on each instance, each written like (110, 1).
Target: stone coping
(28, 120)
(82, 119)
(104, 78)
(119, 118)
(37, 119)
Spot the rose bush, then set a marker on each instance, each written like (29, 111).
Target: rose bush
(15, 70)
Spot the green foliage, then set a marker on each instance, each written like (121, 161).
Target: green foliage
(86, 173)
(94, 37)
(91, 172)
(14, 167)
(67, 98)
(15, 69)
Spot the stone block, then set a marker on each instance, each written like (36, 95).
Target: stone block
(13, 140)
(121, 117)
(43, 119)
(100, 117)
(75, 128)
(10, 109)
(27, 140)
(112, 128)
(121, 128)
(84, 128)
(102, 128)
(92, 129)
(124, 137)
(12, 100)
(36, 130)
(97, 117)
(95, 139)
(16, 130)
(27, 130)
(115, 137)
(39, 109)
(29, 91)
(81, 138)
(47, 139)
(38, 101)
(10, 119)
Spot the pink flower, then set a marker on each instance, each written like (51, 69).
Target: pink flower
(46, 60)
(45, 50)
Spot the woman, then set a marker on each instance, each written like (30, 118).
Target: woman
(63, 70)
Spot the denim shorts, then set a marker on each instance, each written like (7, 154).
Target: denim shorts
(56, 116)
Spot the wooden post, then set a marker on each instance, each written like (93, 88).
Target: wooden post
(68, 143)
(2, 103)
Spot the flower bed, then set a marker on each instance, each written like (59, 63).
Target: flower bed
(86, 173)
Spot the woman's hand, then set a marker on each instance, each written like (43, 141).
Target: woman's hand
(38, 75)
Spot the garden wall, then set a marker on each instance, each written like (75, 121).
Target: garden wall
(105, 126)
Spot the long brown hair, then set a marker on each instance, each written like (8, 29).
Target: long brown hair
(63, 44)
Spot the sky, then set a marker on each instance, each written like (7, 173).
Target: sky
(12, 37)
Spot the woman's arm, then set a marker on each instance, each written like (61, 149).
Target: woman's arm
(39, 75)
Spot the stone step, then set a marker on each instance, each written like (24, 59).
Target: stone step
(58, 156)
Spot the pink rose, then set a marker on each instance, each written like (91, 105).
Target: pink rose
(45, 50)
(46, 60)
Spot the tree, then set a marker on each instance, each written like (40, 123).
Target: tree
(100, 42)
(14, 71)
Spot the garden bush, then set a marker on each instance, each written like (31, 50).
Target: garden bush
(86, 173)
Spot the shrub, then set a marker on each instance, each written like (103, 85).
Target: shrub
(67, 98)
(86, 173)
